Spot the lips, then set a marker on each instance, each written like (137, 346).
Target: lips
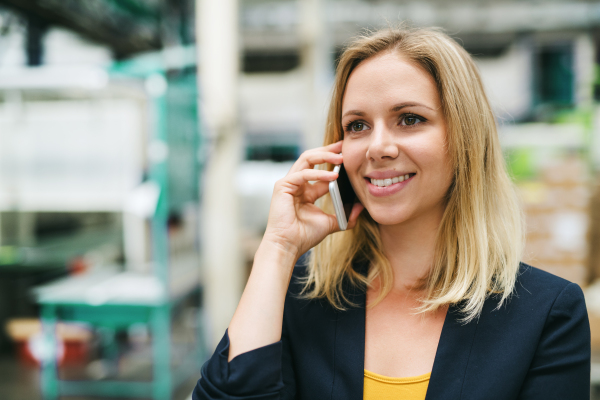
(387, 190)
(390, 181)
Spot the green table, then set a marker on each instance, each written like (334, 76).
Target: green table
(115, 300)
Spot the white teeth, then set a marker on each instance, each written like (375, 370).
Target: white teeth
(389, 181)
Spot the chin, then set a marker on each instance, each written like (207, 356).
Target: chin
(387, 217)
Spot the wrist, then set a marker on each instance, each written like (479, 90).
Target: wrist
(280, 245)
(282, 253)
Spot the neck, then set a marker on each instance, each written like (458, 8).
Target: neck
(410, 248)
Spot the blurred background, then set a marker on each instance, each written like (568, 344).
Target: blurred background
(140, 141)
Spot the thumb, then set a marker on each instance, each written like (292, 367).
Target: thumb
(333, 224)
(354, 214)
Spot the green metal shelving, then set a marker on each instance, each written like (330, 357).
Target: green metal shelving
(174, 129)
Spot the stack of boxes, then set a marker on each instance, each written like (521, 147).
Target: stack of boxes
(557, 212)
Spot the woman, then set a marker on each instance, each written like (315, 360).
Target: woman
(424, 295)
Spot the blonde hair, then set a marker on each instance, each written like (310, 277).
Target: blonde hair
(480, 237)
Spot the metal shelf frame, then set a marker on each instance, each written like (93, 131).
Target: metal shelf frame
(156, 313)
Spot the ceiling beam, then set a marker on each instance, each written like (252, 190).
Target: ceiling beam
(101, 21)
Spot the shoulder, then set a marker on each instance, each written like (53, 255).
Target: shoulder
(563, 299)
(299, 274)
(296, 301)
(561, 362)
(541, 306)
(301, 315)
(537, 279)
(539, 340)
(540, 287)
(538, 296)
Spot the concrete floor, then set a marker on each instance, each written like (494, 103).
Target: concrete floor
(21, 382)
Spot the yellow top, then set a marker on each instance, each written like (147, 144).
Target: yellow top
(379, 387)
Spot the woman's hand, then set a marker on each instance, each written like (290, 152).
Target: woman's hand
(295, 222)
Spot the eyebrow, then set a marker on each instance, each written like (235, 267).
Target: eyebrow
(394, 108)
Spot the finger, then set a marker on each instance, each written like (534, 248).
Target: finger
(356, 210)
(335, 147)
(302, 177)
(313, 157)
(316, 191)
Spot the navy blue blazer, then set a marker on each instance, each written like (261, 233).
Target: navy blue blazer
(536, 346)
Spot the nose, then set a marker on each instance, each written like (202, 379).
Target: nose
(382, 146)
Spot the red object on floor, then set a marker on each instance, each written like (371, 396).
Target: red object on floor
(75, 353)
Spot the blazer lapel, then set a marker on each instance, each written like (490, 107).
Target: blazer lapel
(349, 356)
(350, 352)
(450, 363)
(451, 357)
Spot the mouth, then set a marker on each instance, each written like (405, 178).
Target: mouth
(390, 181)
(388, 186)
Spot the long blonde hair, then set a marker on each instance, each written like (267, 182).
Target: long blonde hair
(480, 238)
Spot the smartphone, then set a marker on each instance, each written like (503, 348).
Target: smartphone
(342, 196)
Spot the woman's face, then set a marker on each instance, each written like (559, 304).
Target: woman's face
(394, 127)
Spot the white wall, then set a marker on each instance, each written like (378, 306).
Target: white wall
(69, 155)
(63, 47)
(272, 102)
(508, 81)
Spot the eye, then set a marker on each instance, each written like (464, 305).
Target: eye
(411, 119)
(355, 126)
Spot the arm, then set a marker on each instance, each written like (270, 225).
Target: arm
(561, 365)
(255, 374)
(262, 373)
(248, 361)
(295, 225)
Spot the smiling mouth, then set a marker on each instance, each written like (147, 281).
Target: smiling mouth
(390, 181)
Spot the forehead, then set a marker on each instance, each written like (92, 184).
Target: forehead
(386, 79)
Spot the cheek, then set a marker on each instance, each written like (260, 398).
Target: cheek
(353, 157)
(442, 167)
(433, 158)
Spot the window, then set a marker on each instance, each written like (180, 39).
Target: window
(271, 61)
(554, 75)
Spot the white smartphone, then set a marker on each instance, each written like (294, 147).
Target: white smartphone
(342, 196)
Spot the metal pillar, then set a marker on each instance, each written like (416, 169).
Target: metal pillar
(49, 372)
(317, 64)
(156, 85)
(218, 71)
